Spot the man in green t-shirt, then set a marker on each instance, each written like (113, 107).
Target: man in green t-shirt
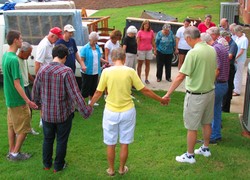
(18, 117)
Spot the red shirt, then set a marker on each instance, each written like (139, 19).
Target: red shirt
(202, 27)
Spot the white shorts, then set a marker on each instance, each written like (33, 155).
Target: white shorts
(145, 55)
(118, 123)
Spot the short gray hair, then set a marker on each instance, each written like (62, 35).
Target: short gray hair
(118, 54)
(206, 37)
(213, 30)
(238, 28)
(93, 36)
(192, 32)
(225, 34)
(25, 46)
(166, 26)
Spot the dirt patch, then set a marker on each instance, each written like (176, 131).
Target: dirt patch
(199, 7)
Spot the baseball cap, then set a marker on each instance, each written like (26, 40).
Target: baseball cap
(57, 31)
(69, 28)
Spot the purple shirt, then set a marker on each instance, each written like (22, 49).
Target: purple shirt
(56, 89)
(223, 63)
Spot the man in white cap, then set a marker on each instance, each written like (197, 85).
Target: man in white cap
(70, 43)
(44, 50)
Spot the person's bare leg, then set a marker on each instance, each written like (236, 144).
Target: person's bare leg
(206, 130)
(111, 157)
(181, 60)
(19, 141)
(12, 138)
(191, 140)
(147, 68)
(123, 156)
(139, 66)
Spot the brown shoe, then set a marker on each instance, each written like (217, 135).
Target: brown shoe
(235, 94)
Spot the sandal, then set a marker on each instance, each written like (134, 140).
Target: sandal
(158, 80)
(124, 171)
(110, 173)
(147, 82)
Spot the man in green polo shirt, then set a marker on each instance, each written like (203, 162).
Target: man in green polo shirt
(199, 69)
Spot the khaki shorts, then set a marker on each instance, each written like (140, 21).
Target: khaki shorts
(19, 119)
(145, 55)
(198, 110)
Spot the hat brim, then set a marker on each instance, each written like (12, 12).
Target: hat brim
(60, 36)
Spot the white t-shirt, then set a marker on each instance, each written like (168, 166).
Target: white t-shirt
(182, 42)
(242, 43)
(23, 64)
(111, 46)
(44, 51)
(95, 62)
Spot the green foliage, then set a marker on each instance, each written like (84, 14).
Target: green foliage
(159, 137)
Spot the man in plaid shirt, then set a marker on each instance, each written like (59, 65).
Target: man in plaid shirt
(56, 91)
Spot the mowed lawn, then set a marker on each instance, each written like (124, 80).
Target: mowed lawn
(159, 137)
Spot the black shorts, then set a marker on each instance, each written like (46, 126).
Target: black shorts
(183, 51)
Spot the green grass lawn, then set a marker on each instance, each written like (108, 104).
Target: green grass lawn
(159, 137)
(177, 8)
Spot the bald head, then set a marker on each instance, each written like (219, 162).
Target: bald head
(224, 23)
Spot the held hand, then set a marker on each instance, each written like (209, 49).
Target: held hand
(165, 101)
(155, 52)
(84, 68)
(32, 105)
(176, 51)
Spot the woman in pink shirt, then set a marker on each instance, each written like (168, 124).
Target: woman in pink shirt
(206, 24)
(145, 42)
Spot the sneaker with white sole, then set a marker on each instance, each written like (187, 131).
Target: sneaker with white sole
(95, 104)
(203, 151)
(185, 158)
(41, 123)
(33, 132)
(18, 157)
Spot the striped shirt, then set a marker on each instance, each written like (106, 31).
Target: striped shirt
(56, 90)
(223, 63)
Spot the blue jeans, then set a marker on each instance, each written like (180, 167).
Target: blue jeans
(220, 91)
(61, 131)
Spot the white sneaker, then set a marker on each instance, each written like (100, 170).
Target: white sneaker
(95, 104)
(33, 132)
(41, 123)
(185, 158)
(203, 151)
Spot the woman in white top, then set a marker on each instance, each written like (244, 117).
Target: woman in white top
(242, 43)
(181, 45)
(113, 43)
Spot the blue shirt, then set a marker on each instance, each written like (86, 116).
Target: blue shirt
(71, 58)
(233, 48)
(165, 43)
(87, 54)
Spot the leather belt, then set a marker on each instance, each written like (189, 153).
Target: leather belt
(218, 81)
(195, 93)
